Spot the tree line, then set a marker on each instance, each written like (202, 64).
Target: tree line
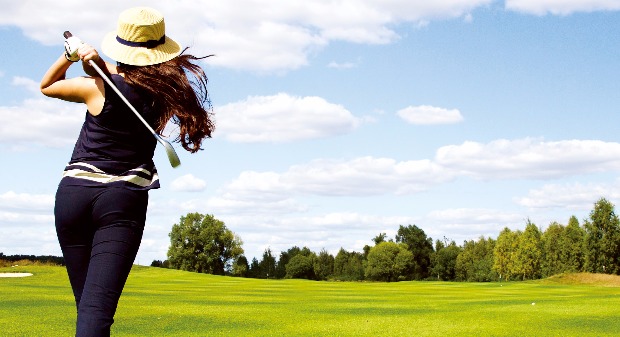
(201, 243)
(44, 259)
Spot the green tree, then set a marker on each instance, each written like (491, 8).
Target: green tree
(562, 248)
(602, 240)
(365, 251)
(572, 246)
(240, 267)
(475, 262)
(254, 269)
(379, 238)
(203, 244)
(528, 254)
(443, 261)
(281, 264)
(552, 242)
(349, 266)
(324, 265)
(300, 266)
(388, 261)
(504, 251)
(267, 265)
(285, 257)
(420, 246)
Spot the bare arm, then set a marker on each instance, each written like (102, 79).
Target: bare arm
(88, 90)
(56, 72)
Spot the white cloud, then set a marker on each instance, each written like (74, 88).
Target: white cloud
(460, 224)
(30, 85)
(261, 36)
(283, 118)
(265, 37)
(561, 7)
(429, 115)
(572, 196)
(343, 65)
(24, 201)
(188, 183)
(26, 219)
(473, 216)
(45, 122)
(370, 176)
(529, 158)
(27, 224)
(364, 176)
(26, 209)
(238, 206)
(39, 239)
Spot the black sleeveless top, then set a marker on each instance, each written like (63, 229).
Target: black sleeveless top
(114, 148)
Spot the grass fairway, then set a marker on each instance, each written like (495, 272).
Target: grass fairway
(161, 302)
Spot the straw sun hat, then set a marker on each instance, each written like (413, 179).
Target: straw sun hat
(140, 39)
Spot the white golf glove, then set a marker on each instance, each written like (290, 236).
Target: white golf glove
(72, 44)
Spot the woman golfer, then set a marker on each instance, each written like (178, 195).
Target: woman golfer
(102, 198)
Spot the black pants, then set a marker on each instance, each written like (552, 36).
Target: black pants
(99, 230)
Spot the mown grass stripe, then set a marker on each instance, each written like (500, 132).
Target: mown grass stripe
(162, 302)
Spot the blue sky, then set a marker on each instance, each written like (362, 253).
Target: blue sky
(337, 121)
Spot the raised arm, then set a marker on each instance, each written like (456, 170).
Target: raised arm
(88, 90)
(56, 72)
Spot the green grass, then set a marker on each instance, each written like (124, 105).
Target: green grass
(161, 302)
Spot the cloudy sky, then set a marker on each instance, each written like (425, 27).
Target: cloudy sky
(340, 120)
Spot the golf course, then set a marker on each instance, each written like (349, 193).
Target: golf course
(165, 302)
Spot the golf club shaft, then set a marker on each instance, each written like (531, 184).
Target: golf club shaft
(172, 155)
(109, 82)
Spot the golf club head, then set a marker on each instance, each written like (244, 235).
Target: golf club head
(172, 155)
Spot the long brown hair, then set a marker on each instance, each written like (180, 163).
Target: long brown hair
(179, 91)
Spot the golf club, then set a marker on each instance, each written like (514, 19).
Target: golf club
(172, 155)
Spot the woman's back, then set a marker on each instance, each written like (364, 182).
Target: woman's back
(116, 135)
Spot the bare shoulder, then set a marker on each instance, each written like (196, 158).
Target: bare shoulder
(76, 89)
(96, 96)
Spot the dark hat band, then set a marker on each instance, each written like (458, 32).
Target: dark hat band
(146, 44)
